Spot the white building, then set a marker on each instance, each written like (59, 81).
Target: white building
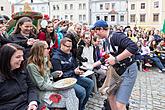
(41, 6)
(5, 8)
(146, 13)
(74, 10)
(113, 11)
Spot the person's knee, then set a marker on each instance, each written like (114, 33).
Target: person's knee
(111, 98)
(120, 106)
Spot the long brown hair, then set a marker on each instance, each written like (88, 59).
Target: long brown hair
(20, 22)
(37, 56)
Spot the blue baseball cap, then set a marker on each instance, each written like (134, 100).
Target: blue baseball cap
(100, 23)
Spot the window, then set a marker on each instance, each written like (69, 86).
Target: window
(142, 5)
(84, 17)
(142, 17)
(66, 7)
(113, 5)
(71, 6)
(33, 8)
(80, 6)
(80, 18)
(132, 17)
(71, 17)
(20, 9)
(66, 17)
(97, 18)
(2, 8)
(122, 18)
(84, 6)
(112, 17)
(101, 6)
(156, 17)
(156, 4)
(132, 6)
(58, 7)
(43, 9)
(105, 18)
(58, 16)
(107, 5)
(54, 7)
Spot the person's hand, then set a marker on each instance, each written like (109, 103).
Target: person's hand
(78, 71)
(111, 60)
(31, 41)
(32, 107)
(57, 74)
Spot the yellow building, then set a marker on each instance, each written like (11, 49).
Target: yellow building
(146, 13)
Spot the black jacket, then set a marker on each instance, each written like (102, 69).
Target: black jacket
(4, 39)
(22, 40)
(16, 93)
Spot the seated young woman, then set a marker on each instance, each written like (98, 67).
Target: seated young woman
(39, 68)
(17, 91)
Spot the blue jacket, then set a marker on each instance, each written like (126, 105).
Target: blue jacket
(64, 62)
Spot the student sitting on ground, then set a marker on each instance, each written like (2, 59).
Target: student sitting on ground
(39, 68)
(63, 60)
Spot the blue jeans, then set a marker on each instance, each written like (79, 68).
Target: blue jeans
(83, 89)
(157, 62)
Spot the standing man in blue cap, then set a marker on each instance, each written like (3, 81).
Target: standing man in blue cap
(121, 50)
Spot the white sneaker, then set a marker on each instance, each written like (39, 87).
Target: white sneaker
(149, 65)
(163, 70)
(160, 71)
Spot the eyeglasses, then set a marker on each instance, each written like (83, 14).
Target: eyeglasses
(87, 38)
(67, 46)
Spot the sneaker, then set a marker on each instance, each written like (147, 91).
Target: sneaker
(149, 65)
(160, 71)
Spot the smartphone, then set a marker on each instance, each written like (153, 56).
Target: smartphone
(83, 68)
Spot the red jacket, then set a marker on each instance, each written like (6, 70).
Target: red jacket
(42, 36)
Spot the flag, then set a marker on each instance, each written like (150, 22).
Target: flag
(163, 30)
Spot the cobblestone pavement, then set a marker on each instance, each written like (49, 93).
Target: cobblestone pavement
(148, 93)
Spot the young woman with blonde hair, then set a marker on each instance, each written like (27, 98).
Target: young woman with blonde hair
(39, 67)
